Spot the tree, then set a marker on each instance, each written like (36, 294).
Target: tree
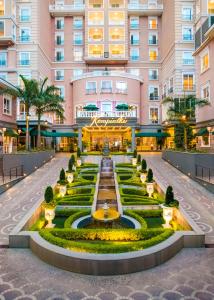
(26, 96)
(62, 175)
(78, 152)
(49, 194)
(46, 101)
(135, 153)
(149, 176)
(73, 159)
(70, 165)
(181, 111)
(139, 159)
(143, 165)
(169, 197)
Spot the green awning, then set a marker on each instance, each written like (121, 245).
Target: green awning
(11, 132)
(153, 134)
(202, 131)
(24, 129)
(55, 134)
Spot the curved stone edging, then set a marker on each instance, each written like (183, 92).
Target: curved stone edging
(112, 264)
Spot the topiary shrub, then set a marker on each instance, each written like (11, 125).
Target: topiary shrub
(70, 165)
(139, 159)
(135, 153)
(49, 195)
(169, 197)
(62, 175)
(78, 152)
(149, 176)
(143, 166)
(73, 159)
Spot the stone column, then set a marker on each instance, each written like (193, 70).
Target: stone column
(133, 139)
(80, 138)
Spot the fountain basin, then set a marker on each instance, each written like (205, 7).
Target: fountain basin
(106, 215)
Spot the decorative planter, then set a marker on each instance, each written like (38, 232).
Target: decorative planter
(167, 215)
(143, 177)
(79, 162)
(134, 161)
(70, 177)
(138, 168)
(49, 216)
(62, 190)
(150, 188)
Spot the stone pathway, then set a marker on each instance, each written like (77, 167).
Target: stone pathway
(196, 200)
(18, 200)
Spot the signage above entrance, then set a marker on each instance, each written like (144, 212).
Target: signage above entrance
(107, 122)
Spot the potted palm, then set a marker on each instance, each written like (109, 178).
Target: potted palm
(49, 206)
(150, 183)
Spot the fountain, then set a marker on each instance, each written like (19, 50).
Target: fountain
(106, 214)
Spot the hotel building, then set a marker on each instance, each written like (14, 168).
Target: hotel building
(113, 61)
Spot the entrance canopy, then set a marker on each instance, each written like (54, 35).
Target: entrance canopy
(11, 132)
(55, 134)
(152, 134)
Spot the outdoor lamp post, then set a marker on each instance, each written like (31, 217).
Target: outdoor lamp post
(3, 134)
(209, 129)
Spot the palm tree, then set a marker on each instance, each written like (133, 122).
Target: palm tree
(182, 111)
(26, 95)
(46, 101)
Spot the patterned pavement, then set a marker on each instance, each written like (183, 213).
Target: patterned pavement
(189, 275)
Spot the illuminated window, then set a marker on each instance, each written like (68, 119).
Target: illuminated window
(1, 28)
(205, 61)
(1, 7)
(153, 54)
(116, 3)
(95, 34)
(95, 18)
(153, 23)
(116, 18)
(188, 82)
(211, 6)
(95, 3)
(154, 115)
(117, 50)
(116, 34)
(95, 50)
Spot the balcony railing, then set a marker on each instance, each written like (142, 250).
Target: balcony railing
(91, 91)
(59, 78)
(24, 62)
(200, 35)
(188, 37)
(25, 18)
(189, 88)
(34, 118)
(146, 9)
(105, 114)
(25, 38)
(153, 97)
(106, 90)
(188, 61)
(66, 10)
(3, 63)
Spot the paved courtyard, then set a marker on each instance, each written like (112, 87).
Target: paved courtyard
(189, 275)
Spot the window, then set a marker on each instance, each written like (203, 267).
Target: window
(59, 23)
(205, 92)
(95, 18)
(95, 3)
(134, 54)
(153, 23)
(188, 58)
(205, 140)
(91, 87)
(116, 18)
(3, 76)
(187, 13)
(59, 55)
(77, 72)
(210, 7)
(171, 85)
(95, 50)
(25, 14)
(25, 34)
(3, 59)
(1, 28)
(134, 22)
(187, 34)
(7, 105)
(106, 107)
(188, 82)
(154, 115)
(204, 61)
(134, 38)
(153, 54)
(61, 91)
(153, 93)
(153, 74)
(2, 8)
(24, 58)
(117, 51)
(153, 39)
(116, 34)
(116, 3)
(78, 38)
(78, 54)
(106, 86)
(121, 87)
(135, 72)
(59, 39)
(59, 75)
(78, 23)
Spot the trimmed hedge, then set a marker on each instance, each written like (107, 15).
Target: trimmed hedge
(133, 191)
(75, 216)
(149, 213)
(80, 191)
(125, 165)
(139, 201)
(148, 238)
(66, 212)
(134, 215)
(40, 223)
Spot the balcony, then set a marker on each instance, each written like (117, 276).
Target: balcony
(106, 90)
(34, 118)
(25, 38)
(204, 33)
(91, 91)
(7, 41)
(188, 37)
(61, 10)
(24, 62)
(188, 61)
(150, 9)
(105, 114)
(106, 58)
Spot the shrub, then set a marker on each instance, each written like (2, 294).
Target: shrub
(62, 175)
(149, 213)
(73, 159)
(70, 165)
(49, 195)
(143, 165)
(78, 152)
(139, 159)
(40, 223)
(169, 197)
(135, 153)
(149, 176)
(130, 191)
(81, 213)
(66, 212)
(134, 215)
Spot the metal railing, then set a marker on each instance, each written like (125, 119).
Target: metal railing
(7, 175)
(107, 114)
(204, 173)
(149, 6)
(34, 118)
(66, 8)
